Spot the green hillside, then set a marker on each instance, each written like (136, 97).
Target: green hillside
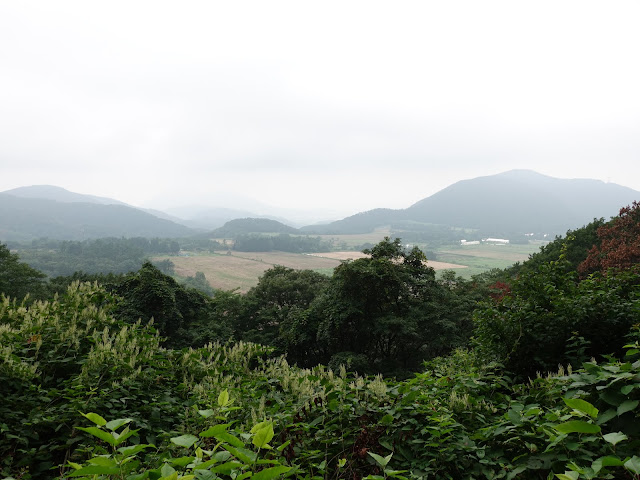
(508, 204)
(251, 225)
(24, 219)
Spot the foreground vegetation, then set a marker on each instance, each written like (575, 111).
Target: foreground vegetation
(91, 391)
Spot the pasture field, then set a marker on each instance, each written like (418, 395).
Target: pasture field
(241, 270)
(480, 258)
(355, 240)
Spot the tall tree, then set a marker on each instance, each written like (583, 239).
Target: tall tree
(18, 279)
(619, 243)
(386, 313)
(184, 316)
(280, 292)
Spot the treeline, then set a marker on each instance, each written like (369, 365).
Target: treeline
(489, 402)
(106, 255)
(252, 242)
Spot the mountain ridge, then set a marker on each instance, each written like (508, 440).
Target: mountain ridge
(24, 219)
(511, 202)
(514, 202)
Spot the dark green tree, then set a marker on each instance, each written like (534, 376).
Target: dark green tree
(184, 316)
(574, 247)
(388, 309)
(17, 279)
(281, 292)
(534, 328)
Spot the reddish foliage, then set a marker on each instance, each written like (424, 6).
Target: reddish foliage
(619, 243)
(499, 290)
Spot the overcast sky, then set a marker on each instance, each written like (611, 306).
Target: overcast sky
(337, 105)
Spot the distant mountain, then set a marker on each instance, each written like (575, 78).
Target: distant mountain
(24, 219)
(363, 222)
(209, 218)
(59, 194)
(523, 201)
(251, 225)
(514, 202)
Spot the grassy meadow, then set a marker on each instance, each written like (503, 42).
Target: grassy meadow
(241, 270)
(480, 258)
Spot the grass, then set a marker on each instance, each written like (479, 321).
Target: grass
(351, 241)
(241, 270)
(480, 258)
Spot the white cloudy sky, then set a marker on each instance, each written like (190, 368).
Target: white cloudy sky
(343, 105)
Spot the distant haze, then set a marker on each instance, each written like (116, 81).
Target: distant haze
(331, 108)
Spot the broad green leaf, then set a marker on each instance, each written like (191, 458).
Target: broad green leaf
(283, 446)
(133, 449)
(607, 461)
(226, 468)
(126, 433)
(221, 456)
(627, 389)
(270, 473)
(103, 461)
(139, 476)
(614, 438)
(244, 475)
(259, 425)
(116, 424)
(181, 461)
(604, 417)
(627, 406)
(185, 440)
(95, 418)
(213, 431)
(171, 476)
(167, 470)
(230, 439)
(568, 475)
(516, 471)
(263, 435)
(582, 406)
(206, 465)
(206, 413)
(94, 470)
(223, 398)
(244, 455)
(387, 419)
(633, 465)
(577, 426)
(221, 434)
(382, 461)
(101, 434)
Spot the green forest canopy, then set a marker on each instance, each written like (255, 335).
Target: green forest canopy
(188, 381)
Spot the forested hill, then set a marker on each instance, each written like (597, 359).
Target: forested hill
(251, 225)
(59, 194)
(516, 202)
(524, 374)
(24, 219)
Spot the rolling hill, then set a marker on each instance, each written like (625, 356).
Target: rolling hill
(251, 225)
(23, 219)
(513, 202)
(59, 194)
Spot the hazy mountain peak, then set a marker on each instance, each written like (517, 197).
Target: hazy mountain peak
(59, 194)
(512, 202)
